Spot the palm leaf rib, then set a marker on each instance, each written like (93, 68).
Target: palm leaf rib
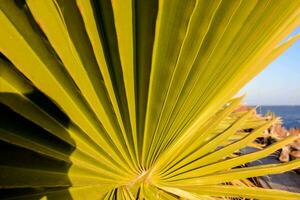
(110, 99)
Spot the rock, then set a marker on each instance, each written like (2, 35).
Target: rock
(285, 154)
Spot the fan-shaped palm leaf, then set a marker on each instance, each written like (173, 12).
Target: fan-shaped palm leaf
(132, 99)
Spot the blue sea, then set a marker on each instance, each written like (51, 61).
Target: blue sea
(289, 114)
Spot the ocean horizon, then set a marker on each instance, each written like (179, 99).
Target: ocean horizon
(290, 114)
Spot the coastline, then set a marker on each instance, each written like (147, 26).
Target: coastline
(290, 114)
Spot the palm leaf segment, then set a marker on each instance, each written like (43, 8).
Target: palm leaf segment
(142, 86)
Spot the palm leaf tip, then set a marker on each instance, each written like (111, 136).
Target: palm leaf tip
(133, 100)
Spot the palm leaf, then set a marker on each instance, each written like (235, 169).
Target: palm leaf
(133, 100)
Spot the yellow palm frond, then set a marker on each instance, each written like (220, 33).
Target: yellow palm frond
(106, 99)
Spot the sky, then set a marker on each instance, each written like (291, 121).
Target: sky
(279, 83)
